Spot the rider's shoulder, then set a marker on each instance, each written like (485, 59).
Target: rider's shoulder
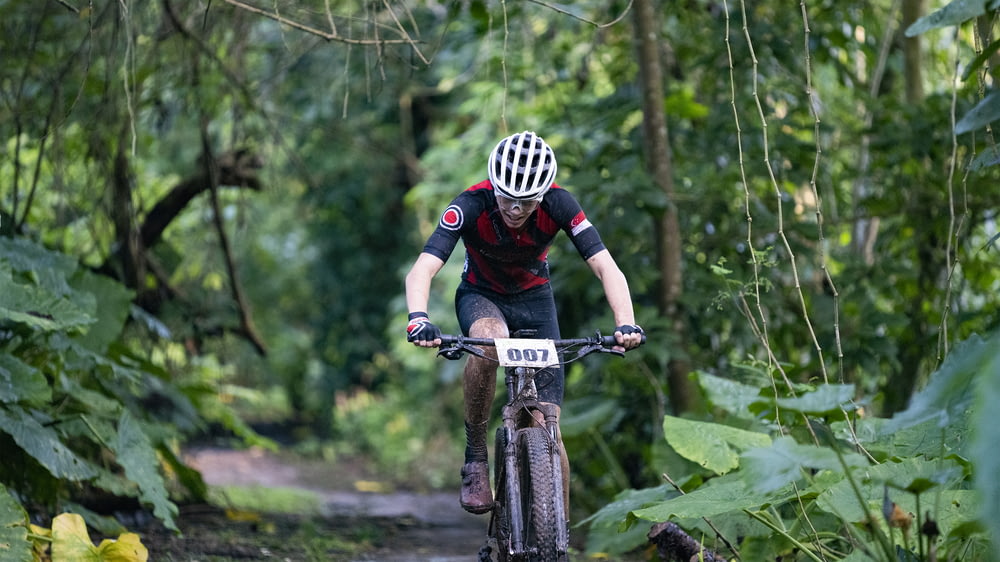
(558, 198)
(481, 189)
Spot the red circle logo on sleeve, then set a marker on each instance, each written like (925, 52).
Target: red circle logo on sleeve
(452, 218)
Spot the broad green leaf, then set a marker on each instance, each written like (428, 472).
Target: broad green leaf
(586, 414)
(46, 268)
(44, 445)
(984, 451)
(767, 469)
(925, 438)
(70, 540)
(982, 58)
(711, 445)
(42, 309)
(985, 112)
(607, 531)
(950, 391)
(732, 396)
(724, 496)
(826, 398)
(954, 13)
(115, 302)
(20, 382)
(136, 455)
(14, 543)
(955, 507)
(988, 157)
(630, 500)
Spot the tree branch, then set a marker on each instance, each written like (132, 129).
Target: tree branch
(214, 174)
(236, 169)
(329, 36)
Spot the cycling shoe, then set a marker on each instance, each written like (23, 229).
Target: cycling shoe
(476, 496)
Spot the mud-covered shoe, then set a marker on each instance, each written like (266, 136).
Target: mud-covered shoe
(476, 496)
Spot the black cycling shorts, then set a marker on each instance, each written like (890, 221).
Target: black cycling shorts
(534, 309)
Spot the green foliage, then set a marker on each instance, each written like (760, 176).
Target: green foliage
(75, 406)
(14, 544)
(713, 446)
(362, 145)
(832, 489)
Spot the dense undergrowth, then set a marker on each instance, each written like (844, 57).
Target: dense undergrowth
(85, 421)
(808, 474)
(805, 472)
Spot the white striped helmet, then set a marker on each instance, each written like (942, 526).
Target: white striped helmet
(522, 166)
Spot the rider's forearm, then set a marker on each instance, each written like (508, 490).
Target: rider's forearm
(619, 298)
(615, 287)
(418, 282)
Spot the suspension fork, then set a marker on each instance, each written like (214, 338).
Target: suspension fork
(512, 491)
(552, 426)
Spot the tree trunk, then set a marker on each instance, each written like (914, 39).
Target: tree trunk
(915, 344)
(683, 394)
(913, 59)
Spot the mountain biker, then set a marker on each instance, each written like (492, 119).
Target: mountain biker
(507, 224)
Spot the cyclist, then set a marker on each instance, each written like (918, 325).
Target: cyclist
(507, 224)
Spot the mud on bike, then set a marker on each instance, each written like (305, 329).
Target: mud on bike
(529, 520)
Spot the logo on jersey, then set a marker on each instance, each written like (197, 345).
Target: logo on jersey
(452, 218)
(579, 223)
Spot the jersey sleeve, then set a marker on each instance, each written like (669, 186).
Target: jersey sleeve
(571, 218)
(442, 241)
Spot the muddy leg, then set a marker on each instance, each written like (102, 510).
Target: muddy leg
(479, 385)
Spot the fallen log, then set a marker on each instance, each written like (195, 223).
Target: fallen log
(675, 545)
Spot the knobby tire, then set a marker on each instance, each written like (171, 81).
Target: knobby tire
(538, 494)
(537, 482)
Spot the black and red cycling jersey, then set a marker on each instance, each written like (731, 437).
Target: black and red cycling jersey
(502, 259)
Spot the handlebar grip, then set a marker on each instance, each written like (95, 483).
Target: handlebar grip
(610, 341)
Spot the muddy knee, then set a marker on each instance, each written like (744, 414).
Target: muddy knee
(489, 328)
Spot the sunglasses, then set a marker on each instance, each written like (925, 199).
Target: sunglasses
(525, 205)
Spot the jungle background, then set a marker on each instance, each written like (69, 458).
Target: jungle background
(207, 208)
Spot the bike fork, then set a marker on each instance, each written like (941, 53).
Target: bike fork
(512, 493)
(562, 529)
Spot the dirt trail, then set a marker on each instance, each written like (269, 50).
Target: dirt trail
(426, 527)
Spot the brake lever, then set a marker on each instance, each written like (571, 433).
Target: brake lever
(455, 351)
(597, 348)
(452, 353)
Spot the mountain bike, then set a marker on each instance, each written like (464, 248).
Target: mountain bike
(529, 520)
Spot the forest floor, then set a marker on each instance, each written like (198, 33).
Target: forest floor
(281, 507)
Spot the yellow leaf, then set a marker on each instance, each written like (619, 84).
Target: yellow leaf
(242, 515)
(41, 538)
(70, 540)
(370, 486)
(128, 548)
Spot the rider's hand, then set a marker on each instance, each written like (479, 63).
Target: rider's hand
(421, 332)
(629, 335)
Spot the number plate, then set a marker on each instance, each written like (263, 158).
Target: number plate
(526, 352)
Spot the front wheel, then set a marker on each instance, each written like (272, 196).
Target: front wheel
(538, 495)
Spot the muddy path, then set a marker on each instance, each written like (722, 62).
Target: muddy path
(389, 525)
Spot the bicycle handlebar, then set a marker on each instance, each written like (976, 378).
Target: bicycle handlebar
(452, 347)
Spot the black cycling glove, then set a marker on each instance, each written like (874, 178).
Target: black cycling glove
(627, 329)
(420, 328)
